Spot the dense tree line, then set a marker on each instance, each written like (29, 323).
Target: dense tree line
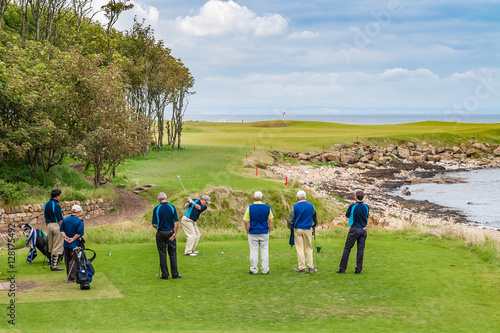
(70, 86)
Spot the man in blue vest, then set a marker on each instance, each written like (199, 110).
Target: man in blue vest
(258, 220)
(357, 213)
(166, 223)
(302, 222)
(71, 230)
(194, 208)
(53, 217)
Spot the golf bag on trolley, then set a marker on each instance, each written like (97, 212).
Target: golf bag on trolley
(36, 239)
(84, 268)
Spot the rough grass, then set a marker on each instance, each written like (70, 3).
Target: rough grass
(223, 219)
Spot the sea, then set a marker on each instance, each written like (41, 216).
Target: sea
(477, 198)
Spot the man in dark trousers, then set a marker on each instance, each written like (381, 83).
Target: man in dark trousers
(71, 230)
(166, 223)
(53, 217)
(357, 213)
(258, 220)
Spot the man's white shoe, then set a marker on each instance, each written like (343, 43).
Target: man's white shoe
(190, 254)
(195, 252)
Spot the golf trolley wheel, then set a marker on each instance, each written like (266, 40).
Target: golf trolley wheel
(84, 285)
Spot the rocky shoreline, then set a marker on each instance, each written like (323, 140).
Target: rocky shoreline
(382, 172)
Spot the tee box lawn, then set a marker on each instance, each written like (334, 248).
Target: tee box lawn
(409, 284)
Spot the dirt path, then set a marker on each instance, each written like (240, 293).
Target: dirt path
(130, 205)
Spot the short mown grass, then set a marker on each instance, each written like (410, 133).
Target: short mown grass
(409, 284)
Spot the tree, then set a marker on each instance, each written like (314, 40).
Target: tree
(108, 130)
(3, 7)
(82, 9)
(53, 13)
(112, 11)
(183, 83)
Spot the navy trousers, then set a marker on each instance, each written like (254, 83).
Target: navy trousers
(164, 244)
(355, 235)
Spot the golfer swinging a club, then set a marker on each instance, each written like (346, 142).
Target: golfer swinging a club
(194, 208)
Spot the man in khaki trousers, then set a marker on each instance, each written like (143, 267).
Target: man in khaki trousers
(53, 217)
(194, 208)
(302, 222)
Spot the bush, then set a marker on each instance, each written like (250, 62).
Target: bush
(11, 192)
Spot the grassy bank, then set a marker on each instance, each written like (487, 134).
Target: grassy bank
(20, 186)
(410, 284)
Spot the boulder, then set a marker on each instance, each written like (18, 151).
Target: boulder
(333, 157)
(487, 150)
(416, 153)
(463, 147)
(346, 159)
(303, 156)
(359, 165)
(439, 150)
(381, 160)
(497, 151)
(470, 151)
(480, 146)
(433, 158)
(403, 153)
(314, 160)
(361, 152)
(456, 150)
(418, 159)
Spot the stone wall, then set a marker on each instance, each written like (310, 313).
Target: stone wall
(32, 213)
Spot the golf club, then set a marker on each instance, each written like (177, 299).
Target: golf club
(71, 267)
(182, 185)
(158, 275)
(317, 250)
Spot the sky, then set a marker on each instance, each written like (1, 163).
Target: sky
(332, 56)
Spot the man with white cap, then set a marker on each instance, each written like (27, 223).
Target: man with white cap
(71, 230)
(301, 220)
(258, 220)
(194, 208)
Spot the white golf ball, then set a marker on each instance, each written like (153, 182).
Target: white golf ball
(222, 252)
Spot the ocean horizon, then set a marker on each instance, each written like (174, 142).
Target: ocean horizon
(353, 118)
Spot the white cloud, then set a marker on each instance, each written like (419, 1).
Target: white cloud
(150, 13)
(395, 87)
(142, 11)
(401, 74)
(219, 17)
(303, 35)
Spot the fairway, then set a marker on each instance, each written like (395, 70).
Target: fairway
(313, 136)
(408, 284)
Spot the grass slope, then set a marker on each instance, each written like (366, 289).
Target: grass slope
(409, 284)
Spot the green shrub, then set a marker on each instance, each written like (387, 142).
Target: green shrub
(10, 192)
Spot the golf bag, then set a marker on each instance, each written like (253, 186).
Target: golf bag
(36, 239)
(84, 268)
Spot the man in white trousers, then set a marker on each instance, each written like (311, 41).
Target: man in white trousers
(258, 220)
(194, 208)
